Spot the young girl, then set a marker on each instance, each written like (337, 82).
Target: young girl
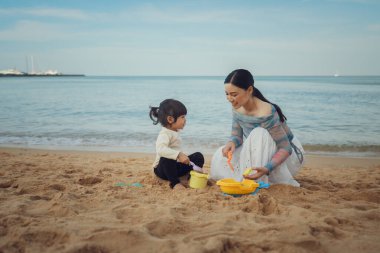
(171, 163)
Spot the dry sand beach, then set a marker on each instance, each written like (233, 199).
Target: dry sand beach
(71, 201)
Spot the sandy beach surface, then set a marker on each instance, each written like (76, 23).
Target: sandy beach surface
(78, 202)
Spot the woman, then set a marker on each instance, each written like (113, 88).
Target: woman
(260, 138)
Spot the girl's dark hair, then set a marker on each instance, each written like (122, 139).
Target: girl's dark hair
(168, 107)
(243, 79)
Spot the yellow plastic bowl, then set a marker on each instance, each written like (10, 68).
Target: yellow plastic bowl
(230, 186)
(198, 180)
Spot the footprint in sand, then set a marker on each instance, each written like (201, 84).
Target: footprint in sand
(335, 221)
(45, 238)
(13, 247)
(268, 205)
(89, 249)
(88, 181)
(36, 197)
(329, 230)
(6, 184)
(223, 244)
(3, 230)
(179, 212)
(373, 215)
(309, 245)
(311, 184)
(166, 227)
(72, 170)
(57, 187)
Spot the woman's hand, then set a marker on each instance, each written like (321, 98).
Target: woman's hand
(182, 158)
(260, 171)
(229, 147)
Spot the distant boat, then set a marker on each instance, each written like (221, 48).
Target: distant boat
(11, 72)
(336, 74)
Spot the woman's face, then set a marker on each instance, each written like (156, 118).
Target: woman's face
(237, 96)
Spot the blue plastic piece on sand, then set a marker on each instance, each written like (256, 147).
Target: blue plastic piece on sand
(120, 184)
(136, 184)
(263, 185)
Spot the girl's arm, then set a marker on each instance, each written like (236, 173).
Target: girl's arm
(182, 158)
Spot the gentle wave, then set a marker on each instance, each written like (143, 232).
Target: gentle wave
(343, 150)
(147, 144)
(357, 80)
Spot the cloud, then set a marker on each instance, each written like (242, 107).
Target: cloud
(27, 30)
(146, 13)
(179, 15)
(374, 27)
(157, 39)
(46, 12)
(355, 1)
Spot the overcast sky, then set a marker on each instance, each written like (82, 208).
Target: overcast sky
(192, 37)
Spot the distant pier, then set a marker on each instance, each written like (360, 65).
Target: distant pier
(40, 75)
(18, 73)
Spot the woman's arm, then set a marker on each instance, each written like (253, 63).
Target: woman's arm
(284, 148)
(236, 132)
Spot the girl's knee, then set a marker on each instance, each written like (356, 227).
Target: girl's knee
(197, 158)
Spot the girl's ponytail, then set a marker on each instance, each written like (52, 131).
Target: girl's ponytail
(153, 114)
(260, 96)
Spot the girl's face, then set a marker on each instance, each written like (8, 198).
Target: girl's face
(237, 96)
(179, 124)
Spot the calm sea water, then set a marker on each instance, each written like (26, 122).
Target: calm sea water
(328, 114)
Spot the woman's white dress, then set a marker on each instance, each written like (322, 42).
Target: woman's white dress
(256, 151)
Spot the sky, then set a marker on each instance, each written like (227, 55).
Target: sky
(159, 38)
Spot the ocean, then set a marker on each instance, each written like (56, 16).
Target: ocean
(329, 115)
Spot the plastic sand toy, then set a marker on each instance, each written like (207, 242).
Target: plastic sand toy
(196, 168)
(198, 180)
(229, 158)
(230, 186)
(249, 171)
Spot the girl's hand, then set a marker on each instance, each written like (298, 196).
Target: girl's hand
(230, 146)
(182, 158)
(260, 171)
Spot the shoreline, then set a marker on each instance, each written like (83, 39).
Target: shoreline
(207, 153)
(366, 151)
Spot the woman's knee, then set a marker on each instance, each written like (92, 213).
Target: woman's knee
(259, 131)
(260, 138)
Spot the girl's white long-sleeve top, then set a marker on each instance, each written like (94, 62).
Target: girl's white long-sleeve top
(168, 145)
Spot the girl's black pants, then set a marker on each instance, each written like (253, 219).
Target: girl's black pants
(171, 170)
